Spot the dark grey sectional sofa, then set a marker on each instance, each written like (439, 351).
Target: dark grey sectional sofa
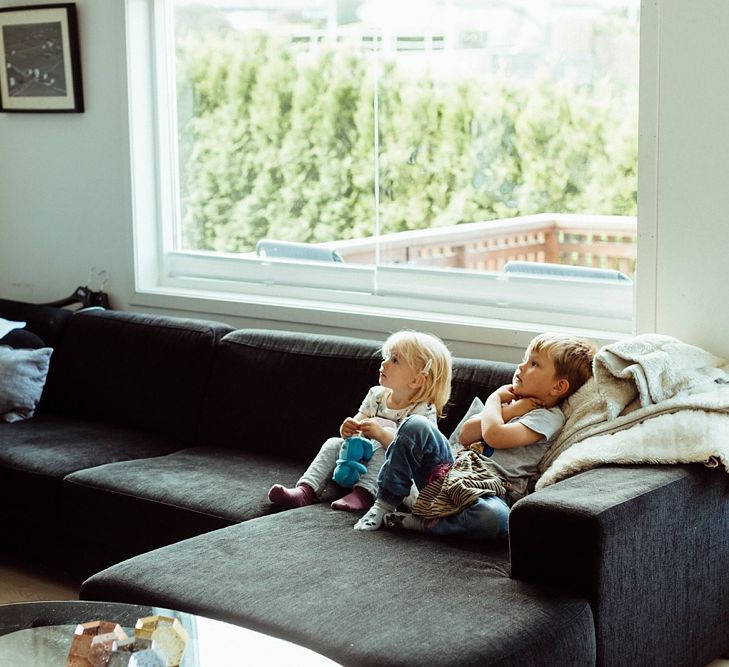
(146, 468)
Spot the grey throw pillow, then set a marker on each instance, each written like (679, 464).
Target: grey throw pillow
(22, 377)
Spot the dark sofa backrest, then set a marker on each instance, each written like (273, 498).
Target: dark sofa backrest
(142, 371)
(286, 393)
(46, 322)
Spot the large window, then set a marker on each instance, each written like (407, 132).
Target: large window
(454, 157)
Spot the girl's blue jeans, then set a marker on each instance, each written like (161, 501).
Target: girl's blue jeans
(418, 448)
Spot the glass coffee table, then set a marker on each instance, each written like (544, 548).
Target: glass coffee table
(41, 633)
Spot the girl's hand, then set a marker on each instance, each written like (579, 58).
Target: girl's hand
(350, 427)
(371, 429)
(374, 429)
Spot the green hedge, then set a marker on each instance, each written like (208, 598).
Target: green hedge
(278, 142)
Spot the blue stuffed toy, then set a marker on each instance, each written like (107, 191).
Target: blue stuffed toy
(355, 451)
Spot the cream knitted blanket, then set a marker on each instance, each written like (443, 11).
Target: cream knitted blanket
(653, 399)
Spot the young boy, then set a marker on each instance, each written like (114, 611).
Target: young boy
(471, 495)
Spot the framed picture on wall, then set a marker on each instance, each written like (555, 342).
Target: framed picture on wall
(39, 54)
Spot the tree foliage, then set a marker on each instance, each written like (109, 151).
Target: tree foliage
(277, 141)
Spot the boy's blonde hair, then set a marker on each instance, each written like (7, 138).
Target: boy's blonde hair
(571, 356)
(425, 354)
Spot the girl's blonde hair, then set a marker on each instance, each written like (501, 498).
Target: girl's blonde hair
(425, 354)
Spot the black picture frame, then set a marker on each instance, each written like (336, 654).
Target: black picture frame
(40, 59)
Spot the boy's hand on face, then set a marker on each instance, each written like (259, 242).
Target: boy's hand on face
(506, 393)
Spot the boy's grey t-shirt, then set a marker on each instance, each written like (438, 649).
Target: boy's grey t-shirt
(519, 464)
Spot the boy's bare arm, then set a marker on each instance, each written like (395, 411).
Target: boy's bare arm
(473, 429)
(495, 429)
(470, 431)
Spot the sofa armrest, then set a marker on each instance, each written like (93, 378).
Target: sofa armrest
(648, 546)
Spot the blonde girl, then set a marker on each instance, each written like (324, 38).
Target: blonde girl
(414, 379)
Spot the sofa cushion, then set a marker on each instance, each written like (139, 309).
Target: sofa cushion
(171, 498)
(174, 497)
(224, 483)
(284, 393)
(55, 446)
(143, 371)
(22, 376)
(40, 519)
(360, 598)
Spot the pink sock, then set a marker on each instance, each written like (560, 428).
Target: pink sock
(358, 500)
(299, 496)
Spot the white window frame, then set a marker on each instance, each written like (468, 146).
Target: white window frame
(468, 305)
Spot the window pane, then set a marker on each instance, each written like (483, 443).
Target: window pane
(410, 132)
(275, 124)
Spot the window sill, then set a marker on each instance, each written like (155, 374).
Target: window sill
(497, 340)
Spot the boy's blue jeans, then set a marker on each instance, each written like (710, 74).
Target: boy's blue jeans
(418, 448)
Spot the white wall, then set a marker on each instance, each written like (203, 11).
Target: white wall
(64, 183)
(693, 174)
(65, 187)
